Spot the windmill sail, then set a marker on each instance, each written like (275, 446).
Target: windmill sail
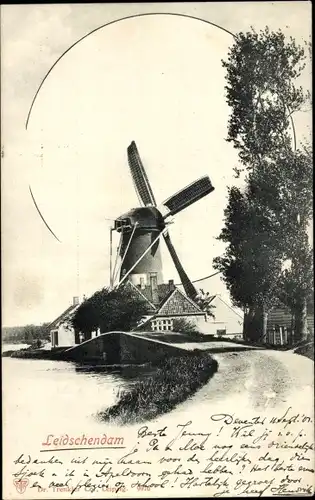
(139, 176)
(190, 194)
(189, 288)
(152, 225)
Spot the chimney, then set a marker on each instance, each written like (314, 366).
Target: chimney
(75, 301)
(154, 288)
(171, 285)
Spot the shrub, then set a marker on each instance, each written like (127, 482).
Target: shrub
(182, 325)
(117, 309)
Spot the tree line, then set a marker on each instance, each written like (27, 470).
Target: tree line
(26, 334)
(268, 260)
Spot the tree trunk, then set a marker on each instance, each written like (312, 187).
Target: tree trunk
(253, 325)
(264, 324)
(245, 324)
(260, 323)
(248, 327)
(300, 315)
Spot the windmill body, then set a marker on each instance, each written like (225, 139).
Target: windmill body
(141, 229)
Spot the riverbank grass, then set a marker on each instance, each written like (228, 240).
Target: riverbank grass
(174, 380)
(306, 349)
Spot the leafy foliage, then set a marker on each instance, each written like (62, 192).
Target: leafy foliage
(266, 222)
(262, 69)
(182, 325)
(117, 309)
(203, 300)
(297, 281)
(251, 264)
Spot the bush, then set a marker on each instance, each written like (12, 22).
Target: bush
(117, 309)
(182, 325)
(306, 349)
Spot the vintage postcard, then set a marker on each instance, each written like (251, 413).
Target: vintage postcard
(157, 250)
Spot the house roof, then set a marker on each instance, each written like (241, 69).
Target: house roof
(163, 291)
(65, 315)
(229, 306)
(170, 300)
(144, 295)
(176, 302)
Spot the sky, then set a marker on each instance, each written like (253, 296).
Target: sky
(154, 79)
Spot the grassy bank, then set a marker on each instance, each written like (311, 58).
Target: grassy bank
(306, 350)
(33, 354)
(173, 381)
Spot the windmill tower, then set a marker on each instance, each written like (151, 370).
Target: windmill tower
(142, 228)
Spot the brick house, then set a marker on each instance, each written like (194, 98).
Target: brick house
(167, 303)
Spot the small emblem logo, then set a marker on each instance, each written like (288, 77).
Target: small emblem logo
(21, 485)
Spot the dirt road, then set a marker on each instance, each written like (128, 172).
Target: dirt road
(255, 379)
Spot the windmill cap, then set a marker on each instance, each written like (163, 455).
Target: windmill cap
(144, 217)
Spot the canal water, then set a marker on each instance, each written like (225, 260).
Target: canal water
(59, 395)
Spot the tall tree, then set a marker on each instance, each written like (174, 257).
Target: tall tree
(251, 264)
(273, 211)
(294, 211)
(296, 288)
(262, 91)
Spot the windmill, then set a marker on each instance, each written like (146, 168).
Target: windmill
(142, 228)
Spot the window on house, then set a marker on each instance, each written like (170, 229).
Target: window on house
(162, 324)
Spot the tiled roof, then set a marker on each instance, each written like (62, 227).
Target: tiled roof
(178, 303)
(143, 294)
(163, 290)
(170, 300)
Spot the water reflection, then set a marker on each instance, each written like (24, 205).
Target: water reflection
(126, 372)
(59, 394)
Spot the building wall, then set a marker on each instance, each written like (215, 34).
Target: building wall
(283, 317)
(65, 337)
(165, 322)
(227, 321)
(279, 336)
(280, 317)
